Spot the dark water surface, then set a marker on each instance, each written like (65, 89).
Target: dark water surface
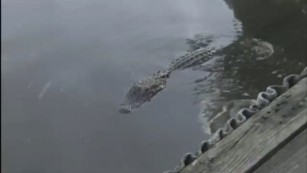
(66, 66)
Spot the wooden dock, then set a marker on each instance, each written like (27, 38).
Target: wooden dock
(272, 140)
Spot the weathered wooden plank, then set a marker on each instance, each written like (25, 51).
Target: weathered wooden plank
(292, 158)
(259, 137)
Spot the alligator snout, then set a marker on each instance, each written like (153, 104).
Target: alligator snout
(124, 110)
(143, 91)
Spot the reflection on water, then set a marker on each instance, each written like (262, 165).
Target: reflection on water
(244, 69)
(67, 64)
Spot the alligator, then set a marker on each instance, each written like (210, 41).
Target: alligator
(145, 89)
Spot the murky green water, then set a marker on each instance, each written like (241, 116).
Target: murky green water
(66, 66)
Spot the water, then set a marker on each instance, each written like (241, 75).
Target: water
(66, 66)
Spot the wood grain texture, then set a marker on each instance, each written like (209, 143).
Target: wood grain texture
(258, 138)
(292, 158)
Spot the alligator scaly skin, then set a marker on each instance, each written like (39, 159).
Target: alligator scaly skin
(145, 89)
(192, 59)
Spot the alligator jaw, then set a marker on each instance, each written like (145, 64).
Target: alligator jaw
(124, 110)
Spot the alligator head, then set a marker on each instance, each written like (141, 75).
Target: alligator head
(143, 90)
